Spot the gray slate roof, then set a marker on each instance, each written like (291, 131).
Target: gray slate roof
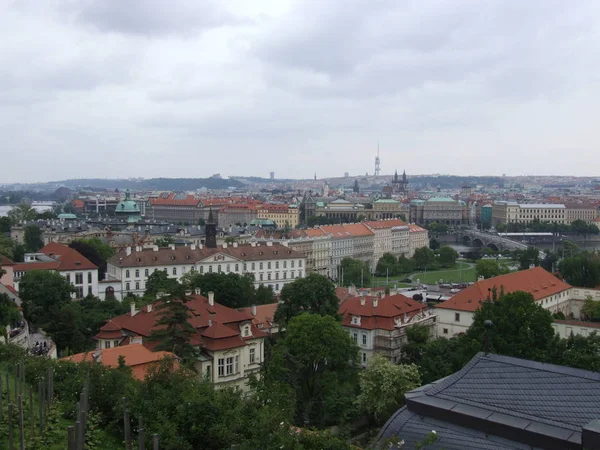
(515, 400)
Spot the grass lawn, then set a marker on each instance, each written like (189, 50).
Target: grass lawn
(461, 272)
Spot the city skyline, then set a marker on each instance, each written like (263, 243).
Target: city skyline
(92, 90)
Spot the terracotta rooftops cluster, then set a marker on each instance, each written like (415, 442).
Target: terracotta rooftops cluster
(64, 259)
(377, 312)
(217, 326)
(536, 281)
(192, 254)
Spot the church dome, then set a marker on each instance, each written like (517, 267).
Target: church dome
(127, 206)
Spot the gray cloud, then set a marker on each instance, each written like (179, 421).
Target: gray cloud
(190, 88)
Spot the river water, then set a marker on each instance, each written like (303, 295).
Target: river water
(39, 207)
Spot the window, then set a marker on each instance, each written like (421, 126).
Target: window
(269, 265)
(227, 268)
(261, 277)
(127, 286)
(253, 266)
(237, 267)
(260, 266)
(285, 264)
(89, 277)
(137, 285)
(237, 364)
(457, 317)
(277, 264)
(245, 267)
(174, 270)
(229, 366)
(292, 274)
(201, 269)
(208, 372)
(146, 272)
(355, 337)
(277, 275)
(292, 264)
(116, 343)
(106, 344)
(137, 273)
(277, 287)
(79, 291)
(221, 367)
(210, 269)
(300, 263)
(127, 273)
(284, 275)
(69, 278)
(364, 358)
(445, 330)
(252, 355)
(78, 278)
(246, 331)
(269, 276)
(364, 339)
(219, 268)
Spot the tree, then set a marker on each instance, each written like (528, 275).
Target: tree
(570, 249)
(549, 261)
(316, 358)
(387, 265)
(22, 213)
(9, 312)
(103, 249)
(90, 253)
(582, 270)
(159, 281)
(66, 328)
(591, 309)
(5, 224)
(355, 272)
(43, 293)
(521, 327)
(33, 238)
(172, 330)
(487, 268)
(383, 385)
(423, 258)
(164, 241)
(448, 256)
(231, 290)
(313, 294)
(529, 257)
(201, 222)
(264, 295)
(7, 246)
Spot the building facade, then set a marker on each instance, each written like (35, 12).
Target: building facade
(175, 208)
(284, 216)
(271, 264)
(386, 233)
(512, 212)
(418, 237)
(378, 324)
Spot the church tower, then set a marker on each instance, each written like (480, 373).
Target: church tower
(210, 231)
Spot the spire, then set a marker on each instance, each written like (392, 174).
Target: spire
(396, 176)
(211, 219)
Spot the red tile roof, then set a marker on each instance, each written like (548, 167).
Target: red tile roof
(347, 231)
(579, 323)
(264, 315)
(138, 357)
(24, 267)
(415, 228)
(536, 281)
(4, 261)
(67, 258)
(213, 323)
(170, 200)
(379, 224)
(381, 316)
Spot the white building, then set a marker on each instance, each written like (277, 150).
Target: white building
(390, 236)
(54, 257)
(455, 316)
(271, 264)
(418, 237)
(513, 212)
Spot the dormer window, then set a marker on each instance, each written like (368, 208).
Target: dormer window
(246, 331)
(355, 320)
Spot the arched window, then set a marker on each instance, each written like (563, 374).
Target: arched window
(174, 270)
(146, 272)
(127, 287)
(127, 273)
(137, 285)
(137, 273)
(109, 291)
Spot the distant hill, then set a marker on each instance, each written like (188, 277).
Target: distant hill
(152, 184)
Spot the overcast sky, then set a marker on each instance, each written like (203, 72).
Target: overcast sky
(189, 88)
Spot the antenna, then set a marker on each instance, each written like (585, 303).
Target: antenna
(377, 162)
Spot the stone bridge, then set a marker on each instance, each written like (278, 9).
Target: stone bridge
(473, 238)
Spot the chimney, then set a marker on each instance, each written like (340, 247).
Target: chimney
(253, 244)
(172, 246)
(375, 302)
(210, 322)
(211, 298)
(224, 244)
(149, 308)
(193, 247)
(532, 266)
(155, 248)
(128, 251)
(198, 291)
(188, 293)
(132, 309)
(362, 300)
(254, 310)
(269, 243)
(235, 245)
(200, 247)
(480, 278)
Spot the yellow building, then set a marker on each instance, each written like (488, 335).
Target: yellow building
(283, 215)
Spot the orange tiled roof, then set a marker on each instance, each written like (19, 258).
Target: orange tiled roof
(381, 316)
(415, 228)
(4, 261)
(385, 223)
(347, 230)
(535, 281)
(69, 259)
(138, 357)
(189, 200)
(264, 315)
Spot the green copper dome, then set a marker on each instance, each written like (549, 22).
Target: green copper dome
(127, 206)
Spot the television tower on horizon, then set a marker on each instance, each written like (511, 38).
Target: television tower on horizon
(377, 162)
